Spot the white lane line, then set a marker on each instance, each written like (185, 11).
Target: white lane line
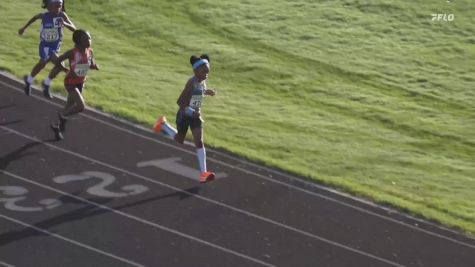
(302, 190)
(70, 240)
(138, 219)
(5, 264)
(250, 214)
(286, 184)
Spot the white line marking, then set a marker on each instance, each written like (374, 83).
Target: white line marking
(5, 264)
(428, 232)
(173, 165)
(99, 189)
(71, 241)
(139, 220)
(250, 214)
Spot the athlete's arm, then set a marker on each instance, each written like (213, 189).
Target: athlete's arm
(93, 65)
(185, 98)
(33, 19)
(68, 23)
(210, 92)
(67, 55)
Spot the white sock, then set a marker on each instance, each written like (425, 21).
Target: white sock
(30, 79)
(48, 81)
(201, 153)
(169, 130)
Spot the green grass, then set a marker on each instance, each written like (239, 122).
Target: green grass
(375, 99)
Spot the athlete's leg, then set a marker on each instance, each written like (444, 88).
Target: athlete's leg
(44, 58)
(44, 52)
(182, 125)
(162, 126)
(180, 138)
(200, 150)
(52, 74)
(37, 68)
(70, 102)
(29, 79)
(75, 103)
(197, 131)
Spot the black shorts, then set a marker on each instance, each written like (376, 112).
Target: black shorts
(184, 121)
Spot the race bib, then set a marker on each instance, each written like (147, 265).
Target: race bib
(81, 70)
(50, 35)
(58, 22)
(196, 101)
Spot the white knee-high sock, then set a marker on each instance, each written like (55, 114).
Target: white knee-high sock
(48, 81)
(169, 130)
(201, 153)
(30, 78)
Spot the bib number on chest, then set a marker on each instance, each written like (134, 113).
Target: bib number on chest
(81, 70)
(50, 35)
(196, 101)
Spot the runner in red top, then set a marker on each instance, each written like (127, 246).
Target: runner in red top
(79, 65)
(81, 60)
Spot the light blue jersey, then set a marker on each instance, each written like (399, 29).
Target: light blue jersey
(197, 93)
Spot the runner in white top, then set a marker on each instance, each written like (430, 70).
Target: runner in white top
(189, 113)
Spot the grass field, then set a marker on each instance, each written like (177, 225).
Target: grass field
(375, 99)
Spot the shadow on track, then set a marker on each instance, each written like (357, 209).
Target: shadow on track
(87, 211)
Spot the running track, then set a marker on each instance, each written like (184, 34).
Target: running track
(114, 194)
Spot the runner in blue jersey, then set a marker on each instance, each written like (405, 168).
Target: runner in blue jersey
(51, 37)
(189, 113)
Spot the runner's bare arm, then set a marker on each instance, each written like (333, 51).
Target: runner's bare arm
(210, 92)
(185, 96)
(94, 65)
(67, 55)
(68, 23)
(33, 19)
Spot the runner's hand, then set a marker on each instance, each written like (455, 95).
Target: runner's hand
(210, 92)
(196, 114)
(94, 67)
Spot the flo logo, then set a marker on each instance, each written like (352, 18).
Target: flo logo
(443, 17)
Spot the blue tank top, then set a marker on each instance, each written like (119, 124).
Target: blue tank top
(197, 93)
(52, 28)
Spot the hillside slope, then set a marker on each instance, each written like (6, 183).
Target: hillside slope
(376, 99)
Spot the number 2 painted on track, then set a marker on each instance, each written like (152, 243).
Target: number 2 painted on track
(12, 196)
(17, 194)
(100, 189)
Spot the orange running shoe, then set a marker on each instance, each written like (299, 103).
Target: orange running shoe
(207, 177)
(158, 125)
